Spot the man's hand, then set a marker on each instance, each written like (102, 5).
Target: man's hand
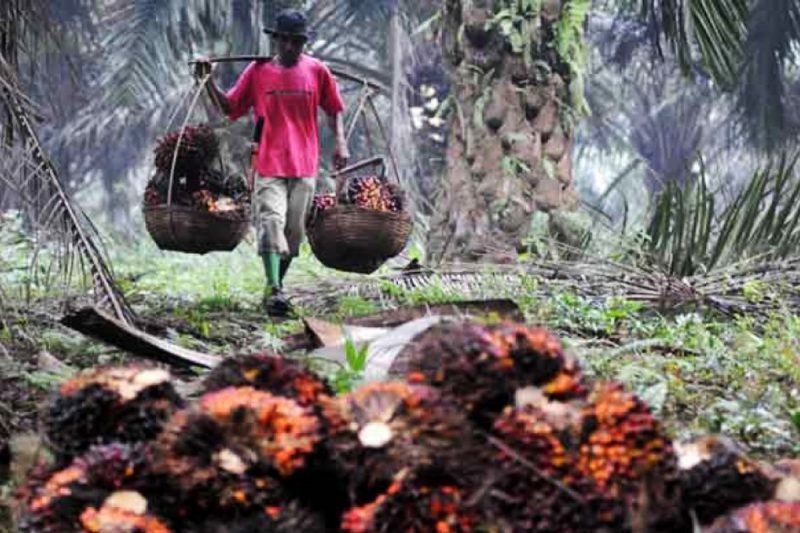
(202, 67)
(340, 155)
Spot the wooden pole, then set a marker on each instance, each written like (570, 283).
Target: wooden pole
(338, 72)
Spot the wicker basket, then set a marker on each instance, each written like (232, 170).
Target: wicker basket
(355, 239)
(185, 229)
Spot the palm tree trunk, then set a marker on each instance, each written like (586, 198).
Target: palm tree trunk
(510, 144)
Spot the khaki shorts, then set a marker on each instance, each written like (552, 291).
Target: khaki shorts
(280, 206)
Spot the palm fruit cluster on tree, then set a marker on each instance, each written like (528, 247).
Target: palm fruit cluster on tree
(367, 192)
(195, 181)
(481, 428)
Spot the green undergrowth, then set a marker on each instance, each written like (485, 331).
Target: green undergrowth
(702, 373)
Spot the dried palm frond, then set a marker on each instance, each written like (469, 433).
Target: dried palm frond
(30, 174)
(594, 279)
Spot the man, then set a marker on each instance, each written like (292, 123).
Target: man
(285, 92)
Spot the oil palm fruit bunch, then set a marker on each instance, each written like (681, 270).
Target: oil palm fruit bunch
(109, 475)
(115, 517)
(384, 428)
(199, 146)
(536, 471)
(411, 506)
(483, 367)
(230, 453)
(323, 202)
(716, 478)
(621, 441)
(152, 196)
(113, 404)
(623, 449)
(269, 373)
(204, 200)
(764, 517)
(287, 518)
(371, 192)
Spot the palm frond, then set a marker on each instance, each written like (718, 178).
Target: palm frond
(773, 31)
(718, 28)
(34, 178)
(689, 233)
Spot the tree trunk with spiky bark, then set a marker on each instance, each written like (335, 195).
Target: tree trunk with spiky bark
(509, 151)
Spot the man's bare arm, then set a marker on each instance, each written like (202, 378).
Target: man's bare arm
(203, 68)
(340, 152)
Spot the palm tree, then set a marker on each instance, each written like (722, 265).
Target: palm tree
(516, 76)
(517, 91)
(747, 47)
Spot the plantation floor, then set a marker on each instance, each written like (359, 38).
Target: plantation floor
(700, 373)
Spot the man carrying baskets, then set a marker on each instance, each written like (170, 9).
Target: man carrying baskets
(284, 93)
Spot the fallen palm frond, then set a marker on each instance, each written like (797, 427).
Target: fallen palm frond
(754, 288)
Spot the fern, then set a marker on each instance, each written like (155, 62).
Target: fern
(571, 46)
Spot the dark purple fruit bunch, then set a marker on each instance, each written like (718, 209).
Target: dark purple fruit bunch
(483, 367)
(269, 373)
(384, 428)
(55, 502)
(408, 505)
(199, 146)
(287, 518)
(717, 478)
(115, 404)
(537, 470)
(231, 452)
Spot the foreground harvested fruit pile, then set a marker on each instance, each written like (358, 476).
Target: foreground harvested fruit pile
(368, 192)
(484, 428)
(196, 182)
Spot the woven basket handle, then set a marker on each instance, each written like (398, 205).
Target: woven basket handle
(339, 175)
(195, 98)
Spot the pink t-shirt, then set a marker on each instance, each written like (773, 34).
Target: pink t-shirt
(287, 98)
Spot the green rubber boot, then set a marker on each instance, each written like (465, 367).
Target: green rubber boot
(275, 302)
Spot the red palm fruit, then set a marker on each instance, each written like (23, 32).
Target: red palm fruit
(318, 484)
(621, 442)
(232, 450)
(536, 469)
(53, 502)
(414, 507)
(716, 477)
(371, 192)
(116, 404)
(764, 517)
(152, 196)
(113, 519)
(269, 373)
(624, 450)
(381, 429)
(483, 366)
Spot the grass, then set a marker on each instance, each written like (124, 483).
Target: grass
(701, 373)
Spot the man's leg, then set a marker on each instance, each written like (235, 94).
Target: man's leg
(271, 204)
(301, 195)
